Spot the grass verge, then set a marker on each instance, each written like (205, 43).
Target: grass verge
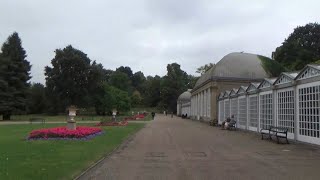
(21, 159)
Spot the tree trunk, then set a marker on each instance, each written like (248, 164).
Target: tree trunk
(6, 116)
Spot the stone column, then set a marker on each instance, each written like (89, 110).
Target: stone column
(214, 93)
(191, 105)
(206, 104)
(209, 104)
(201, 112)
(197, 111)
(199, 106)
(202, 103)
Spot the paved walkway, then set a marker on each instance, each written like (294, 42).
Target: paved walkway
(174, 148)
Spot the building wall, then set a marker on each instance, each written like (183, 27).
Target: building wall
(293, 105)
(206, 96)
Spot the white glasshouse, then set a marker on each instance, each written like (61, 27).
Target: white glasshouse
(292, 100)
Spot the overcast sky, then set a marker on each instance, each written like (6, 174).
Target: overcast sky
(146, 35)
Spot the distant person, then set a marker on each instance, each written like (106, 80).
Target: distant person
(153, 114)
(165, 112)
(232, 121)
(225, 123)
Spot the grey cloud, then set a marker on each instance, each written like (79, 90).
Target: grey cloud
(148, 34)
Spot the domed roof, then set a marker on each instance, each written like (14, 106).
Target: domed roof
(240, 66)
(186, 96)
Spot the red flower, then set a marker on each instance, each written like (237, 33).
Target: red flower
(121, 123)
(63, 132)
(135, 117)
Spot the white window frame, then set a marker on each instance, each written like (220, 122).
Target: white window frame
(287, 111)
(302, 128)
(253, 128)
(239, 122)
(262, 114)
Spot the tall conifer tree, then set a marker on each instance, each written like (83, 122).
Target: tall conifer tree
(14, 77)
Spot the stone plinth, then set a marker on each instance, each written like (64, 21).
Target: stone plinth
(72, 125)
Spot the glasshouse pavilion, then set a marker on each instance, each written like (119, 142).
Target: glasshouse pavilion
(184, 104)
(292, 100)
(233, 70)
(240, 84)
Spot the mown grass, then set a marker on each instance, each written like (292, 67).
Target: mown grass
(21, 159)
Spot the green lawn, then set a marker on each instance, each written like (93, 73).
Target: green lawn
(21, 159)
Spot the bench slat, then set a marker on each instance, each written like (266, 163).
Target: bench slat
(279, 132)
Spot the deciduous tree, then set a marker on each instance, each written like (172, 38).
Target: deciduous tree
(172, 85)
(36, 101)
(300, 48)
(203, 69)
(69, 78)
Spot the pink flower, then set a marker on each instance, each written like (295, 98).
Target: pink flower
(63, 132)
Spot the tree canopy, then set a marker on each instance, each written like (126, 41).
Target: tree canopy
(203, 69)
(300, 48)
(15, 74)
(68, 78)
(172, 85)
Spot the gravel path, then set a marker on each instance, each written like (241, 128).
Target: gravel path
(175, 148)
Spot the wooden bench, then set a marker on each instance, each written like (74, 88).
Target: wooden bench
(37, 119)
(278, 132)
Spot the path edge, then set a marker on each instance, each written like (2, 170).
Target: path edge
(106, 156)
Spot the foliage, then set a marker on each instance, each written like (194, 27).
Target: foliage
(36, 100)
(272, 67)
(120, 80)
(127, 70)
(172, 85)
(316, 62)
(14, 71)
(6, 96)
(192, 81)
(72, 79)
(136, 98)
(300, 48)
(108, 98)
(103, 99)
(151, 94)
(120, 99)
(203, 69)
(138, 79)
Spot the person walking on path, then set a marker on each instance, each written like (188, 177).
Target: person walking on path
(153, 114)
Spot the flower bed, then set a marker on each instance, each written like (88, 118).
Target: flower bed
(135, 117)
(121, 123)
(82, 132)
